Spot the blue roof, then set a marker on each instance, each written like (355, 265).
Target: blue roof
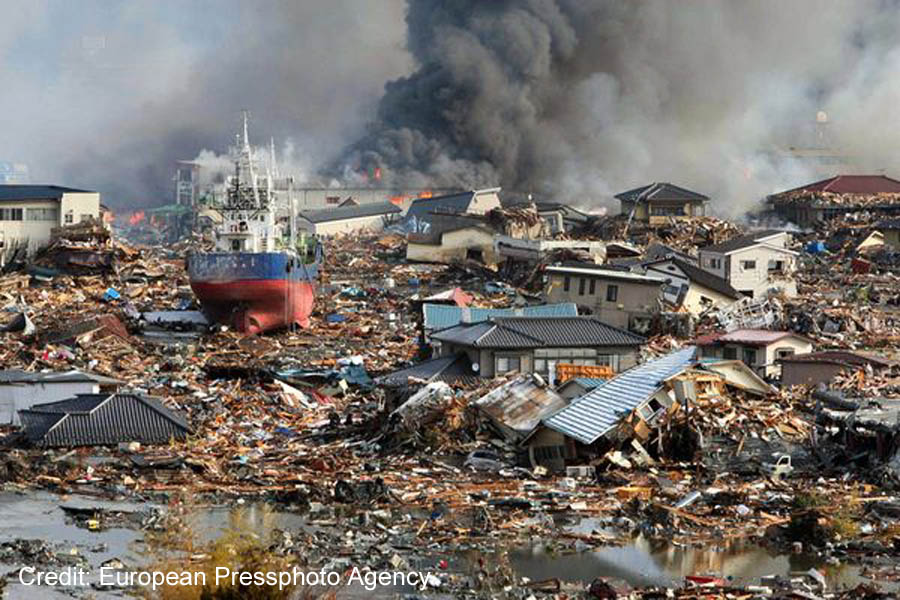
(441, 316)
(591, 416)
(589, 383)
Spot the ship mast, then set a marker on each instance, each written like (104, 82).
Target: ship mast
(247, 158)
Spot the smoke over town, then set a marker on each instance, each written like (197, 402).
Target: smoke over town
(570, 98)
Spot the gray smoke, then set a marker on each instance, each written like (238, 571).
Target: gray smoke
(573, 99)
(108, 95)
(581, 99)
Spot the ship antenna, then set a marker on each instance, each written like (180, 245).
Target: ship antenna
(247, 151)
(272, 157)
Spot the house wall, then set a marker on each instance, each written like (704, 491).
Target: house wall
(632, 298)
(16, 397)
(797, 373)
(484, 202)
(454, 247)
(80, 205)
(764, 363)
(696, 300)
(548, 448)
(373, 223)
(892, 237)
(627, 357)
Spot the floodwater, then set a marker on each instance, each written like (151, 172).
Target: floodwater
(36, 515)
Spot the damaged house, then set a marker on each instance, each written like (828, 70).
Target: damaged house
(570, 432)
(20, 390)
(516, 408)
(348, 218)
(837, 196)
(424, 211)
(821, 367)
(755, 264)
(691, 288)
(620, 298)
(102, 420)
(539, 344)
(657, 203)
(760, 349)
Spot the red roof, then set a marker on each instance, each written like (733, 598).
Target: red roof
(853, 184)
(747, 337)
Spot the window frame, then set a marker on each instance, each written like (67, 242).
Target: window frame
(612, 292)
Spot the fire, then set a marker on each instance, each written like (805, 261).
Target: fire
(136, 217)
(425, 194)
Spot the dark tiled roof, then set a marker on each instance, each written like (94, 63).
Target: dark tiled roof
(350, 211)
(850, 184)
(449, 369)
(742, 241)
(102, 420)
(701, 277)
(456, 203)
(36, 192)
(538, 332)
(662, 192)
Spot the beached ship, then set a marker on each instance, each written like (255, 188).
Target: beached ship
(259, 277)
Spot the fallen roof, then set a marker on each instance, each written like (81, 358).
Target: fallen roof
(36, 192)
(850, 184)
(456, 368)
(453, 203)
(441, 316)
(840, 357)
(538, 332)
(102, 420)
(591, 416)
(608, 274)
(701, 277)
(518, 406)
(351, 211)
(661, 192)
(742, 241)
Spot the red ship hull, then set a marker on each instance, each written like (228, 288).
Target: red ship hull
(257, 305)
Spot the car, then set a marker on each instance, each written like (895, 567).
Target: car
(484, 460)
(779, 467)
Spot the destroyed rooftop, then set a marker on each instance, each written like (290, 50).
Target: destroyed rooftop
(9, 191)
(662, 192)
(537, 332)
(325, 215)
(700, 276)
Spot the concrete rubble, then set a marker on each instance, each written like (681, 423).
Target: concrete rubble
(449, 461)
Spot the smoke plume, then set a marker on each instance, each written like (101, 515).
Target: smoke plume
(575, 100)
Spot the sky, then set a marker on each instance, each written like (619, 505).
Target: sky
(574, 100)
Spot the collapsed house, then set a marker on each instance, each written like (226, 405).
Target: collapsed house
(759, 349)
(690, 288)
(620, 298)
(837, 196)
(102, 420)
(821, 367)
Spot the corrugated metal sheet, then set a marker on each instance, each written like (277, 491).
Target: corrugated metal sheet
(439, 316)
(101, 420)
(591, 416)
(518, 405)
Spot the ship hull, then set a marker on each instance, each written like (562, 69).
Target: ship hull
(254, 292)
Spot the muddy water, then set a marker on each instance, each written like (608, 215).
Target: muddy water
(640, 562)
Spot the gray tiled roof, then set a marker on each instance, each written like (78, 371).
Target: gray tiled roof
(742, 241)
(441, 316)
(660, 191)
(538, 332)
(325, 215)
(449, 369)
(456, 203)
(20, 376)
(591, 416)
(101, 420)
(35, 192)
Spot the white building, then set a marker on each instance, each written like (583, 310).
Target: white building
(759, 349)
(28, 213)
(20, 390)
(754, 264)
(348, 219)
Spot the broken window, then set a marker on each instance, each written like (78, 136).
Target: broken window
(581, 282)
(783, 352)
(776, 266)
(729, 353)
(749, 356)
(748, 265)
(612, 293)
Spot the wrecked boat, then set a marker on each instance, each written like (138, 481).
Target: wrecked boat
(253, 281)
